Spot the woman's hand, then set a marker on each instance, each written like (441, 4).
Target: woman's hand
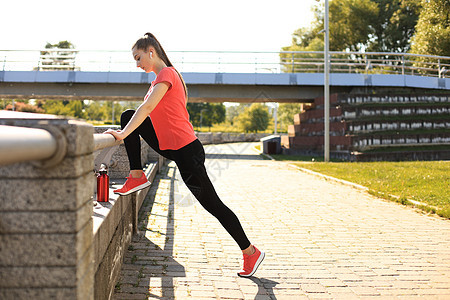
(117, 134)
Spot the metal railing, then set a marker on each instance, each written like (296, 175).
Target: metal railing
(102, 141)
(231, 62)
(21, 144)
(18, 144)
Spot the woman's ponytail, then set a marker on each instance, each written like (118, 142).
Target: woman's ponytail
(150, 40)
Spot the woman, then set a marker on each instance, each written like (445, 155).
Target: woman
(162, 121)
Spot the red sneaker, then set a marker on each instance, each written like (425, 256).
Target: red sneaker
(251, 263)
(133, 185)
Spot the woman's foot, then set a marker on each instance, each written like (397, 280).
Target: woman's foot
(133, 185)
(251, 262)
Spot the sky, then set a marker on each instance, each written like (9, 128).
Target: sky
(196, 25)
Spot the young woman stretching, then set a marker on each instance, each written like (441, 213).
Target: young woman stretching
(162, 121)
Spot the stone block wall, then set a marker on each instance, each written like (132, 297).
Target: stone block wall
(46, 238)
(54, 243)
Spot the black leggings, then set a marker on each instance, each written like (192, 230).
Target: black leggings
(190, 161)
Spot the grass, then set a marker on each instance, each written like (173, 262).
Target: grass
(424, 181)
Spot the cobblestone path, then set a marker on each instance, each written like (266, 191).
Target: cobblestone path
(323, 240)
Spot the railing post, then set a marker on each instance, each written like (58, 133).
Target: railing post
(403, 64)
(439, 68)
(46, 232)
(293, 65)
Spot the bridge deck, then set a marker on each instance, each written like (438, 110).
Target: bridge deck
(210, 87)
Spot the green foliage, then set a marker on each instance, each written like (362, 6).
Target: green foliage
(96, 111)
(286, 112)
(433, 29)
(234, 111)
(24, 107)
(360, 25)
(60, 45)
(254, 118)
(394, 25)
(61, 60)
(63, 108)
(206, 114)
(352, 24)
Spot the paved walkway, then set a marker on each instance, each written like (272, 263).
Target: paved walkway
(323, 240)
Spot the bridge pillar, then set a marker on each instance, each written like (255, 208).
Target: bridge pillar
(46, 231)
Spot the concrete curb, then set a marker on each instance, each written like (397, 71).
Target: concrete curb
(347, 183)
(358, 186)
(341, 181)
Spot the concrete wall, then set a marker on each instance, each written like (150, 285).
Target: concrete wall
(46, 233)
(54, 242)
(227, 137)
(119, 166)
(114, 224)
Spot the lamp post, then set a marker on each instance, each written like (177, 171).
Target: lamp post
(326, 87)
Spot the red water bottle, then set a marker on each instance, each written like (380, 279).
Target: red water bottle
(102, 184)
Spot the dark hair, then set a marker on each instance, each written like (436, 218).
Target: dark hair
(149, 40)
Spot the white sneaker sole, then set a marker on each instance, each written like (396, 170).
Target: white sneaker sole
(255, 267)
(135, 189)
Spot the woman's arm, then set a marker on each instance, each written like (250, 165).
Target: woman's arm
(159, 90)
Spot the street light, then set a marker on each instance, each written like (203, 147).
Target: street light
(326, 87)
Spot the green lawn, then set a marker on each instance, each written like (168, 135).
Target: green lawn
(423, 181)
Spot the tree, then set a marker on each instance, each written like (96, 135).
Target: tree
(219, 112)
(58, 60)
(254, 118)
(433, 29)
(360, 25)
(96, 111)
(286, 112)
(206, 114)
(73, 108)
(24, 107)
(395, 25)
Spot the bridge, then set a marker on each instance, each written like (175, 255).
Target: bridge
(219, 76)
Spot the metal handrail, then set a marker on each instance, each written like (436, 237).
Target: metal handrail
(243, 61)
(19, 144)
(22, 144)
(104, 140)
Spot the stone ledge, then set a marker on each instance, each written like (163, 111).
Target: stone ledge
(106, 215)
(114, 223)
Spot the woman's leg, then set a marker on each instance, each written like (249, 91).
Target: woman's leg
(190, 161)
(133, 141)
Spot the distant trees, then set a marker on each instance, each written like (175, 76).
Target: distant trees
(62, 56)
(433, 29)
(254, 118)
(24, 107)
(286, 112)
(361, 25)
(206, 114)
(73, 108)
(96, 111)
